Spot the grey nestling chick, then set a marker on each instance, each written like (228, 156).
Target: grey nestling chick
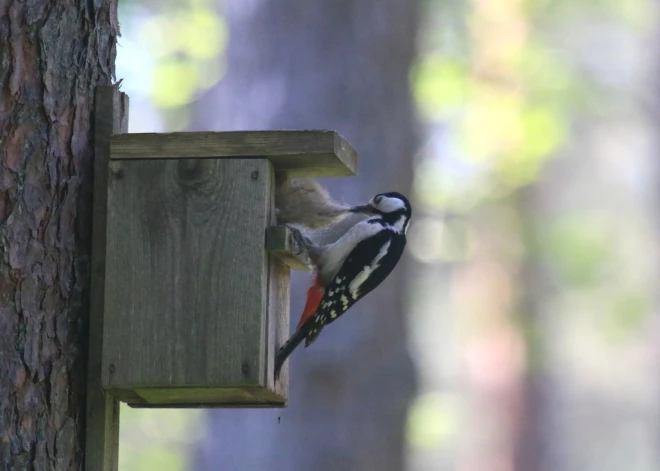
(305, 202)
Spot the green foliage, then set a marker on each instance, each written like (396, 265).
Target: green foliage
(187, 44)
(433, 420)
(439, 84)
(510, 118)
(629, 310)
(145, 444)
(631, 13)
(169, 54)
(156, 459)
(542, 131)
(579, 247)
(176, 82)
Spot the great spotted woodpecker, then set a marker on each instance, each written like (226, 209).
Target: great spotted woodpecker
(351, 267)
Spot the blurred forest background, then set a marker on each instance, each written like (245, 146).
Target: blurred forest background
(522, 332)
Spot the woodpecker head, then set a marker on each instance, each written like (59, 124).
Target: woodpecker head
(393, 207)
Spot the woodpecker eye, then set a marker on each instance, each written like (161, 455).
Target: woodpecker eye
(378, 199)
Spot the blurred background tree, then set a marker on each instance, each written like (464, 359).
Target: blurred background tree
(343, 66)
(528, 293)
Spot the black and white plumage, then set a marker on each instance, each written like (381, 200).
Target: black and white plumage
(352, 267)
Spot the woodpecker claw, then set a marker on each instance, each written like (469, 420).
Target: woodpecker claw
(300, 239)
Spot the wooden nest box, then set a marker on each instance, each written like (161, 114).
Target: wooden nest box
(193, 303)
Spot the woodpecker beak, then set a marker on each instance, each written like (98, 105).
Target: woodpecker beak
(366, 209)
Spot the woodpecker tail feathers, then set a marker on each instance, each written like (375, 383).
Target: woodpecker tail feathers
(314, 296)
(286, 350)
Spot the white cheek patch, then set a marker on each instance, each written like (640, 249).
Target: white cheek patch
(389, 205)
(366, 272)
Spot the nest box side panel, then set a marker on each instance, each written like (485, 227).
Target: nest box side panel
(186, 274)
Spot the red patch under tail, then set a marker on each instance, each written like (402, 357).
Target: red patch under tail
(314, 297)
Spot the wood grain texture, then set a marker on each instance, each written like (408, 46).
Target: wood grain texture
(279, 293)
(207, 398)
(187, 278)
(281, 244)
(278, 324)
(102, 429)
(295, 153)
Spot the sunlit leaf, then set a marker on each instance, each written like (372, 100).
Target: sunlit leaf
(432, 421)
(204, 33)
(187, 44)
(438, 84)
(159, 459)
(175, 82)
(543, 132)
(492, 125)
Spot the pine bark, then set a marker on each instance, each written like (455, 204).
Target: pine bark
(52, 55)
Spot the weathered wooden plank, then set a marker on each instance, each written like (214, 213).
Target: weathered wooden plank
(281, 244)
(276, 393)
(279, 282)
(193, 398)
(102, 425)
(278, 326)
(186, 288)
(296, 153)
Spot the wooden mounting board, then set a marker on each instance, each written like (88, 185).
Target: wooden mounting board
(294, 153)
(102, 426)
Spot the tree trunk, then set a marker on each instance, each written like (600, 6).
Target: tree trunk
(534, 433)
(52, 55)
(339, 65)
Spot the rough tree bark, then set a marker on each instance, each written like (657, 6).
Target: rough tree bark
(337, 65)
(52, 55)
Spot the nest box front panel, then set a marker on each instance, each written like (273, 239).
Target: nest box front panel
(186, 293)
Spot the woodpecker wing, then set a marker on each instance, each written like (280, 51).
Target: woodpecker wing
(366, 266)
